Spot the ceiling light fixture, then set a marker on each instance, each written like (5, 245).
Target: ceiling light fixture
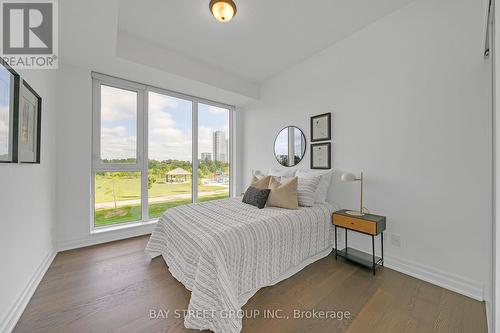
(222, 10)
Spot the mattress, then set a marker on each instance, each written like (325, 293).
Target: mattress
(224, 251)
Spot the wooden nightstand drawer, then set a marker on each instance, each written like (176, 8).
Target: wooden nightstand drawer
(355, 224)
(368, 223)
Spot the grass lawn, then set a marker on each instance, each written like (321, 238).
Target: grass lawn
(130, 188)
(131, 213)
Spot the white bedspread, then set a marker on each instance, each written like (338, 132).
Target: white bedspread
(223, 251)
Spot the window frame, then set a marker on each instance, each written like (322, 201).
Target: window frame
(142, 132)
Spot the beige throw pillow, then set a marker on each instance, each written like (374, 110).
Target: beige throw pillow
(262, 183)
(283, 195)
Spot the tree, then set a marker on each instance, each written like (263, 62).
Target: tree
(114, 177)
(151, 180)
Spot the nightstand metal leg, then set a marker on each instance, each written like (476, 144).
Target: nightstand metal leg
(373, 254)
(382, 246)
(336, 248)
(345, 240)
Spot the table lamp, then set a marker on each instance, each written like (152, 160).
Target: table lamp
(350, 177)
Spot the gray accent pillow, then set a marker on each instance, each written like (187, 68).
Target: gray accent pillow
(256, 197)
(306, 190)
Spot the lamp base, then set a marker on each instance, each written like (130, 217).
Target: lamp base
(355, 213)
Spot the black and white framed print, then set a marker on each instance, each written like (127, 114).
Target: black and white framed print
(321, 127)
(321, 155)
(29, 123)
(9, 94)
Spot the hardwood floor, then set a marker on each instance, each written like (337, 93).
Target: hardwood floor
(112, 288)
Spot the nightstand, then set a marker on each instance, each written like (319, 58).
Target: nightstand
(368, 224)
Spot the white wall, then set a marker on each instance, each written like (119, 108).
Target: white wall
(27, 205)
(74, 162)
(144, 52)
(410, 97)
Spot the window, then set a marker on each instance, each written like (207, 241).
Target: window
(118, 125)
(170, 153)
(146, 144)
(213, 152)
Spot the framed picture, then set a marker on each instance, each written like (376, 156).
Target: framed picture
(321, 155)
(321, 127)
(29, 125)
(9, 101)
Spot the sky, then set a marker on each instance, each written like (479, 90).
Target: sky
(170, 121)
(118, 123)
(5, 82)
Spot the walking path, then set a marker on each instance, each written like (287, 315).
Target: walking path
(167, 198)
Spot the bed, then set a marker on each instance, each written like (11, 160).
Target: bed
(224, 251)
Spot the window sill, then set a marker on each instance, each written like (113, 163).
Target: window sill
(122, 226)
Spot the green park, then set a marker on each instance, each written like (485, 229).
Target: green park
(118, 194)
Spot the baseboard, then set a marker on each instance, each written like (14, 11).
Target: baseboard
(438, 277)
(8, 323)
(105, 237)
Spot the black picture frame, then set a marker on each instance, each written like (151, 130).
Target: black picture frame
(328, 149)
(38, 116)
(328, 117)
(13, 117)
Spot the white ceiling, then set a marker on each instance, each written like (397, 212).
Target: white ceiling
(265, 38)
(178, 45)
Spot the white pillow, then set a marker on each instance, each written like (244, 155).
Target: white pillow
(306, 190)
(281, 174)
(324, 182)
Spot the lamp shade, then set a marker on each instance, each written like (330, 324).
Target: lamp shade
(348, 177)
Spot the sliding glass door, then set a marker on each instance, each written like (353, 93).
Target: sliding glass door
(146, 144)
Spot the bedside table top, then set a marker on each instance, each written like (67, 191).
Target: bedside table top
(366, 217)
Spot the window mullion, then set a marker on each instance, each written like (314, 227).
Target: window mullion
(231, 157)
(194, 145)
(143, 116)
(96, 118)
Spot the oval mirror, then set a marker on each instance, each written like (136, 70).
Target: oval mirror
(290, 146)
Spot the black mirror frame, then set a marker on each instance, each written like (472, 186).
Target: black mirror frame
(305, 146)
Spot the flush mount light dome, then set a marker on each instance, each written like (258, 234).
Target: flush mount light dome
(222, 10)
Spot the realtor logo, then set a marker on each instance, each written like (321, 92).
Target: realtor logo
(29, 33)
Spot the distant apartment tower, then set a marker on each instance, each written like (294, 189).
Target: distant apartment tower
(206, 156)
(220, 146)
